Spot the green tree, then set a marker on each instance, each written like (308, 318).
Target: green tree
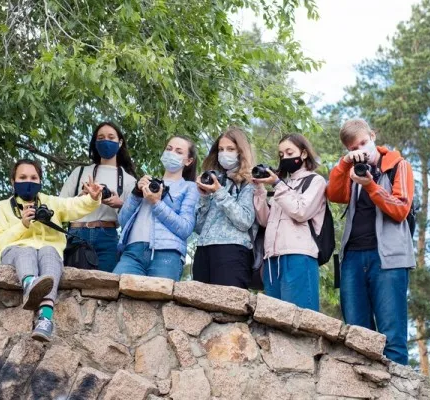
(392, 92)
(156, 67)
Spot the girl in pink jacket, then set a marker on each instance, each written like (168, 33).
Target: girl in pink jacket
(290, 271)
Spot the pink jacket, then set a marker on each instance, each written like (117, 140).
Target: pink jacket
(286, 221)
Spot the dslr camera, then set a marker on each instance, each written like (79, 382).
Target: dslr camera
(260, 171)
(155, 185)
(207, 179)
(42, 213)
(361, 168)
(106, 193)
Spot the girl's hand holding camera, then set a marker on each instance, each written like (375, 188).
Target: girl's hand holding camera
(27, 215)
(271, 180)
(143, 185)
(114, 201)
(208, 189)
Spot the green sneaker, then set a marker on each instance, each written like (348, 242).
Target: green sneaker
(35, 291)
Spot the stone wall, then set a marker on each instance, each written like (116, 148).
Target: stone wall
(136, 338)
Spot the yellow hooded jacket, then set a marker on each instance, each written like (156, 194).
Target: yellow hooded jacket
(38, 235)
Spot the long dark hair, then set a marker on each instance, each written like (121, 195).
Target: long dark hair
(122, 158)
(189, 173)
(302, 143)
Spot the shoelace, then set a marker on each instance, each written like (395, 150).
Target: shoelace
(44, 324)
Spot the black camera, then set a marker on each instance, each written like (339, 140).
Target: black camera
(260, 171)
(42, 213)
(106, 193)
(207, 179)
(361, 168)
(155, 185)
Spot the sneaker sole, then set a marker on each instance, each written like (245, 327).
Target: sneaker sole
(40, 337)
(37, 293)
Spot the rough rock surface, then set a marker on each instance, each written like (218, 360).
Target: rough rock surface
(208, 343)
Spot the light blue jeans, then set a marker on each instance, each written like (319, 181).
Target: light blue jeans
(293, 278)
(376, 298)
(139, 259)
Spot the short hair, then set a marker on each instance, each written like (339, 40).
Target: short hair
(22, 161)
(351, 128)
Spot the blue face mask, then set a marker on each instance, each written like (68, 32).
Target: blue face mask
(107, 148)
(171, 161)
(27, 190)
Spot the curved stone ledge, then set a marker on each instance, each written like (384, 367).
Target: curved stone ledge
(129, 337)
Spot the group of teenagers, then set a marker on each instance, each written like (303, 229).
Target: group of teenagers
(376, 251)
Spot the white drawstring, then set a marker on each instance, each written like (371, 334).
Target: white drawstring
(152, 254)
(270, 269)
(279, 267)
(270, 272)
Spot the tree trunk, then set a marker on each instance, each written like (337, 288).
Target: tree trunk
(422, 225)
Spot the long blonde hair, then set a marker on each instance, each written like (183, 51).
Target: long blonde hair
(244, 151)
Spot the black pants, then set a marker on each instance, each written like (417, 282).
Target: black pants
(223, 264)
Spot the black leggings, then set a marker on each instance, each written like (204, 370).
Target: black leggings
(223, 264)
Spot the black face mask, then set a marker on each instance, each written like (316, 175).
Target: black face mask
(290, 165)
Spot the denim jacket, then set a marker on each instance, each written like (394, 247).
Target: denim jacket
(224, 218)
(173, 219)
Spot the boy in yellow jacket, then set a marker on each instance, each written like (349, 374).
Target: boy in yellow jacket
(34, 249)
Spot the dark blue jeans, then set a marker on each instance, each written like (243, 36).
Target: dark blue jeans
(298, 280)
(376, 298)
(139, 259)
(104, 241)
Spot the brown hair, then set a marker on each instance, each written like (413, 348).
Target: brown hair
(189, 173)
(34, 163)
(351, 128)
(246, 158)
(302, 143)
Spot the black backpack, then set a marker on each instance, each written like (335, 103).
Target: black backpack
(325, 241)
(412, 216)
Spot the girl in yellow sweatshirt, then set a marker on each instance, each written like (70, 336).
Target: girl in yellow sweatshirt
(34, 249)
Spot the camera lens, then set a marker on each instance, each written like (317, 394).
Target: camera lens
(206, 178)
(361, 169)
(106, 193)
(259, 172)
(154, 186)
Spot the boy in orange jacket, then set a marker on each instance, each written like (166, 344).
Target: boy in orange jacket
(377, 250)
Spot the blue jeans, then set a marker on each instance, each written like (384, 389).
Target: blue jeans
(139, 259)
(295, 279)
(376, 298)
(104, 241)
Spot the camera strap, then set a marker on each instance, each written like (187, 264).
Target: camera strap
(16, 207)
(120, 178)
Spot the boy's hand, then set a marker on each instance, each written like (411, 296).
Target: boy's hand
(356, 155)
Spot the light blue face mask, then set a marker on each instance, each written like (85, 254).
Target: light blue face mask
(171, 161)
(228, 159)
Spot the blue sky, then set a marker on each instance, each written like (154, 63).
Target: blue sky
(347, 32)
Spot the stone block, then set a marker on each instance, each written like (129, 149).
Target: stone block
(88, 384)
(181, 346)
(126, 386)
(229, 343)
(336, 378)
(74, 278)
(155, 358)
(19, 367)
(377, 376)
(10, 298)
(320, 324)
(229, 299)
(52, 378)
(146, 288)
(16, 320)
(290, 354)
(365, 341)
(8, 278)
(187, 319)
(68, 317)
(190, 384)
(274, 312)
(102, 293)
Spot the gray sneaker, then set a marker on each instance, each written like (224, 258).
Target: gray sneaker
(35, 291)
(43, 330)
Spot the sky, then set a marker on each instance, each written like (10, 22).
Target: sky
(347, 32)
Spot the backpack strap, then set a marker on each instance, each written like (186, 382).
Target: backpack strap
(306, 182)
(81, 171)
(392, 173)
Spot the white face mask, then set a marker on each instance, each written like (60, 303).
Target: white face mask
(370, 149)
(171, 161)
(228, 159)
